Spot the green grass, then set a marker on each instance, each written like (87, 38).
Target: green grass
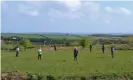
(61, 63)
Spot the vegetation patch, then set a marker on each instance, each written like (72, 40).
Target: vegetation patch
(27, 76)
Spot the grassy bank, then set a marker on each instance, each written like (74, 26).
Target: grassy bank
(28, 76)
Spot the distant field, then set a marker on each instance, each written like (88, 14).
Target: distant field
(61, 63)
(62, 37)
(38, 36)
(52, 36)
(22, 35)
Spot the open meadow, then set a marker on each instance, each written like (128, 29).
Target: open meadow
(61, 63)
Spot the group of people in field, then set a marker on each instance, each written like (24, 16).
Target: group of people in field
(75, 51)
(39, 51)
(103, 49)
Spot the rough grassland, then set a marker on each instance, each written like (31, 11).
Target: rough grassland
(61, 63)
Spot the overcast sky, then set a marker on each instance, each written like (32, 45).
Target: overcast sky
(72, 16)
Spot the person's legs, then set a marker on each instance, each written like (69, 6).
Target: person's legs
(76, 58)
(16, 53)
(40, 56)
(55, 49)
(103, 50)
(112, 54)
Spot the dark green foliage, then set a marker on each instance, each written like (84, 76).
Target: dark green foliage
(50, 77)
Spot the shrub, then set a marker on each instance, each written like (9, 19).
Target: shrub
(25, 43)
(85, 42)
(75, 43)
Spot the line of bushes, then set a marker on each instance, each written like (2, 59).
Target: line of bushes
(121, 46)
(41, 40)
(115, 41)
(28, 76)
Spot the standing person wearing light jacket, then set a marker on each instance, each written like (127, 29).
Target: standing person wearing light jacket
(17, 51)
(39, 53)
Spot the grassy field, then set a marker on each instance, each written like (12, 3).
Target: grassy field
(61, 63)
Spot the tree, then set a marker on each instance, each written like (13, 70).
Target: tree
(25, 43)
(85, 42)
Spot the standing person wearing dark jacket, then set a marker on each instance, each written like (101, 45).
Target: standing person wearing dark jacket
(75, 53)
(90, 47)
(54, 47)
(103, 48)
(112, 52)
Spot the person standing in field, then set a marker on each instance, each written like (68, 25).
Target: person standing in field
(39, 53)
(112, 52)
(90, 47)
(17, 51)
(54, 47)
(75, 53)
(103, 48)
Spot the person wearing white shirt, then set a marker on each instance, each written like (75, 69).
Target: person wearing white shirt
(39, 53)
(17, 51)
